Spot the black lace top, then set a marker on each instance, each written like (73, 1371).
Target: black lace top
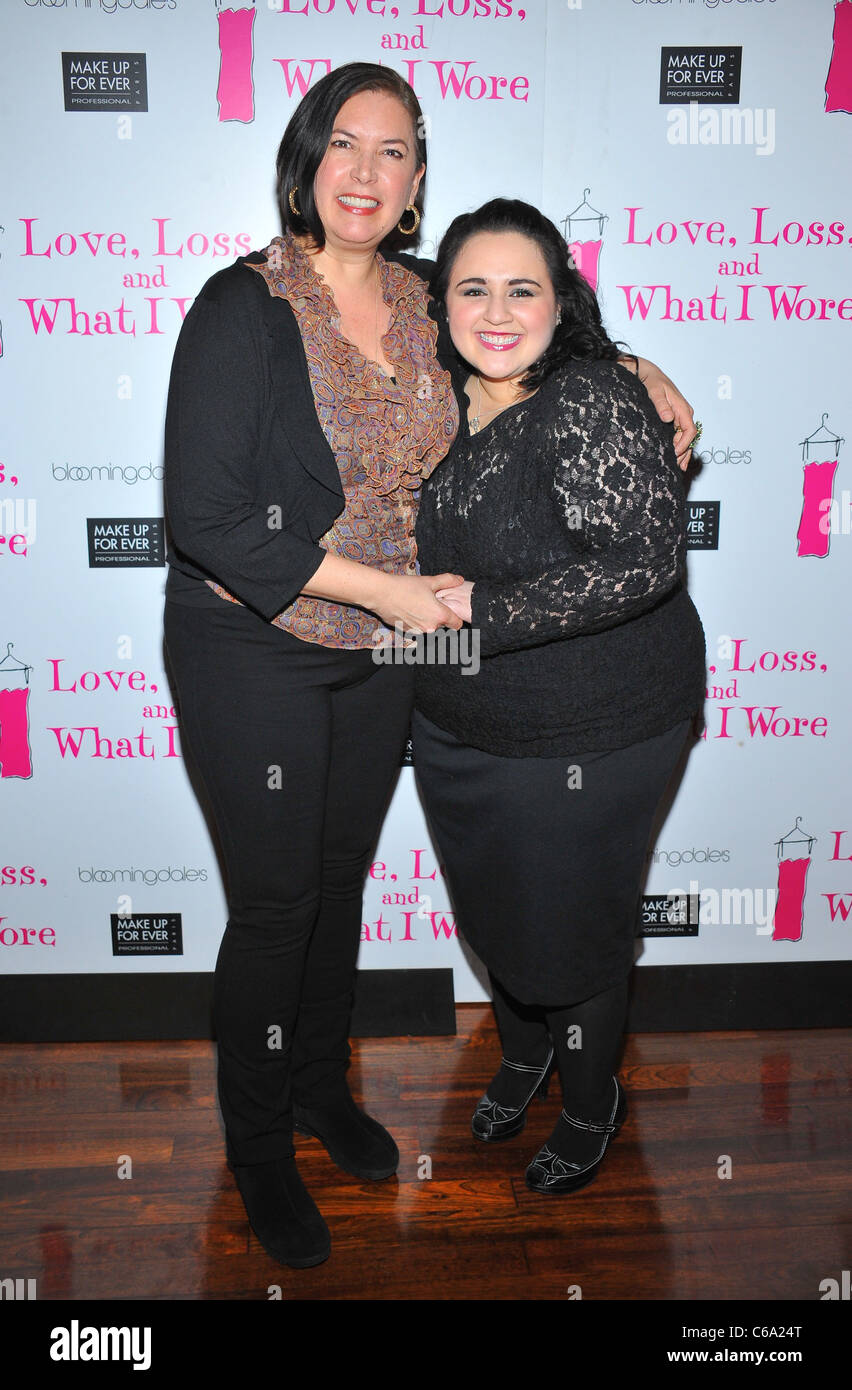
(568, 513)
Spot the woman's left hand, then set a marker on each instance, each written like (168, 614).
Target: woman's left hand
(458, 599)
(670, 405)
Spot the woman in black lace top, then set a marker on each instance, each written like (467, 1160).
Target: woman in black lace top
(542, 770)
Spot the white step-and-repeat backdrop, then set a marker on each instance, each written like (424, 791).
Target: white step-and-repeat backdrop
(696, 155)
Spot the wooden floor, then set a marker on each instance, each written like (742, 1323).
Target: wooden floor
(658, 1224)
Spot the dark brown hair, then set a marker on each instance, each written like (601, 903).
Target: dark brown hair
(580, 334)
(308, 132)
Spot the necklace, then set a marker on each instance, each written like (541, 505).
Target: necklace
(475, 422)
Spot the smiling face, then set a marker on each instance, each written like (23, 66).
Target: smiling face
(501, 304)
(369, 173)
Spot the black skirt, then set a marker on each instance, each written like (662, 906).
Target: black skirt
(545, 857)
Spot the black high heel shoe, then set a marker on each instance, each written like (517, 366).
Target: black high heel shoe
(550, 1173)
(492, 1121)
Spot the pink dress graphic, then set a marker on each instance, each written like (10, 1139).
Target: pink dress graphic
(15, 759)
(583, 231)
(814, 530)
(586, 256)
(235, 93)
(838, 83)
(787, 921)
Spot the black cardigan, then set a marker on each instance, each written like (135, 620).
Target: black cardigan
(242, 437)
(568, 513)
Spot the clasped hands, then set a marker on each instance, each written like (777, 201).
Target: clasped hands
(457, 599)
(423, 602)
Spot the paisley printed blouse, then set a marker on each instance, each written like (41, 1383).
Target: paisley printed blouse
(387, 433)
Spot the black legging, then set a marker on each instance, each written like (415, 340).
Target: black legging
(297, 746)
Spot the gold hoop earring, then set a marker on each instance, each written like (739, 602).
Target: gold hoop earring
(409, 231)
(291, 199)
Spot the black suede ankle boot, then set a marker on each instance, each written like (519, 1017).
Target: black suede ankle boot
(282, 1213)
(355, 1141)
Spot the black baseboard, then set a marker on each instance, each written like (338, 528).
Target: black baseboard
(399, 1003)
(714, 998)
(109, 1008)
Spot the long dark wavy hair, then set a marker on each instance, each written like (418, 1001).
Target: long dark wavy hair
(581, 334)
(305, 141)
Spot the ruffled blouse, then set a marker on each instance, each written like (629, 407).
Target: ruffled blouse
(387, 433)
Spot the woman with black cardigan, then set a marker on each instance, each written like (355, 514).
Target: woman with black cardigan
(307, 403)
(541, 774)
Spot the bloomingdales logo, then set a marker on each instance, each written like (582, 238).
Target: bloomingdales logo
(107, 472)
(103, 6)
(675, 857)
(724, 453)
(724, 5)
(133, 875)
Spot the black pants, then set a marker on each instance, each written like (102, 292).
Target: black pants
(298, 747)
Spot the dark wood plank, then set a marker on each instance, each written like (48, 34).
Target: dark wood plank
(658, 1224)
